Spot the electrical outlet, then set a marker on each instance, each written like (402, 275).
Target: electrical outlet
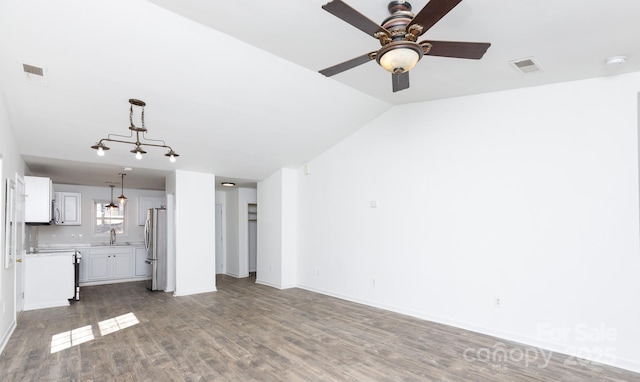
(497, 302)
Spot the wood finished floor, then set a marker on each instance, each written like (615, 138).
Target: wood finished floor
(249, 332)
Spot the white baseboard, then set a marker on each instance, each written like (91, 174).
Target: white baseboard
(115, 281)
(188, 292)
(6, 336)
(45, 305)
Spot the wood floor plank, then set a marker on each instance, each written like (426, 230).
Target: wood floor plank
(249, 332)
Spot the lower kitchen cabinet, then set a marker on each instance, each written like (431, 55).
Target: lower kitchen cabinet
(142, 268)
(103, 265)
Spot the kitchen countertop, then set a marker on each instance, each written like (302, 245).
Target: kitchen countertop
(57, 248)
(51, 253)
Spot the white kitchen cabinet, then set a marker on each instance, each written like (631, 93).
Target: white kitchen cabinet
(38, 199)
(99, 267)
(68, 208)
(122, 265)
(142, 268)
(146, 202)
(110, 263)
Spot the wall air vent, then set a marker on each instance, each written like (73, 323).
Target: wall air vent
(34, 74)
(526, 65)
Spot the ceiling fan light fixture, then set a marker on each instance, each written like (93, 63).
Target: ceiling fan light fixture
(399, 57)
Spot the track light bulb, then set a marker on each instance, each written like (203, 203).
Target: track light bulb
(172, 159)
(100, 152)
(138, 155)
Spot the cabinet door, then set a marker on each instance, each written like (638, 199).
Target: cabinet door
(68, 206)
(146, 202)
(84, 264)
(99, 267)
(142, 269)
(122, 265)
(38, 197)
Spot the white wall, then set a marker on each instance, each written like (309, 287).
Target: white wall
(221, 258)
(277, 230)
(12, 163)
(60, 234)
(530, 196)
(170, 188)
(194, 231)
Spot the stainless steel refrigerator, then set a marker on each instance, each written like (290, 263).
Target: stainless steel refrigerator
(155, 241)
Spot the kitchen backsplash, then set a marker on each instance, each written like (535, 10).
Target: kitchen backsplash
(42, 235)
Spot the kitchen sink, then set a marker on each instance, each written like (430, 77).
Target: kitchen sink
(111, 245)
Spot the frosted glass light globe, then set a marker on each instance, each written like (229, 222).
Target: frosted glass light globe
(399, 60)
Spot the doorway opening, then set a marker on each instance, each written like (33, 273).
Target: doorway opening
(253, 238)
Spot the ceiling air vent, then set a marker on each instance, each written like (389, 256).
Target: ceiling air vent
(33, 70)
(526, 65)
(34, 74)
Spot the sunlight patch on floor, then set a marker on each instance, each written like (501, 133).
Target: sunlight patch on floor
(117, 323)
(71, 338)
(84, 334)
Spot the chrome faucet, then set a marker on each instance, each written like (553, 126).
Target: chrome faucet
(112, 237)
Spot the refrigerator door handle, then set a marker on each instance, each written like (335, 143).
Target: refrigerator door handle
(146, 235)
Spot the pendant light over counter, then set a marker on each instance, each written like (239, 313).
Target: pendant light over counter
(122, 198)
(111, 206)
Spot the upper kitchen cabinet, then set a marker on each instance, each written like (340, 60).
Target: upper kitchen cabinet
(68, 208)
(38, 199)
(146, 202)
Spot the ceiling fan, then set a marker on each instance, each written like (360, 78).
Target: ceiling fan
(398, 34)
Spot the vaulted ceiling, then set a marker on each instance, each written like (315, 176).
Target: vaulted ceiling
(234, 87)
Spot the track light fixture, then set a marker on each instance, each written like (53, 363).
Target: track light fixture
(138, 151)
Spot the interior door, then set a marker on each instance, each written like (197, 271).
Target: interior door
(20, 251)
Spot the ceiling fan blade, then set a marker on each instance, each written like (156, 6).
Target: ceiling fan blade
(400, 81)
(457, 49)
(352, 63)
(353, 17)
(432, 13)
